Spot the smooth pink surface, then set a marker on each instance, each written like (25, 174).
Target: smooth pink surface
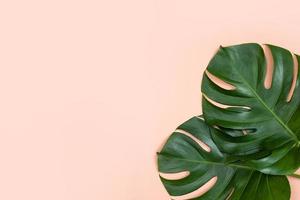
(90, 89)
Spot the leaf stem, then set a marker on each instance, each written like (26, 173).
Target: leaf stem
(295, 175)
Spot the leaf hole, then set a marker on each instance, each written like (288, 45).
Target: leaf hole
(235, 132)
(244, 132)
(219, 82)
(204, 146)
(175, 176)
(295, 74)
(199, 192)
(224, 106)
(269, 66)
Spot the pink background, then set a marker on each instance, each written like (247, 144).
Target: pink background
(89, 90)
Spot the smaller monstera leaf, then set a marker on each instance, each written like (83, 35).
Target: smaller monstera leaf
(183, 153)
(265, 117)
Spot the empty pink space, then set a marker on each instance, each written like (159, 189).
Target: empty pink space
(90, 90)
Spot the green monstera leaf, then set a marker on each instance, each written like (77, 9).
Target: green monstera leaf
(191, 149)
(259, 123)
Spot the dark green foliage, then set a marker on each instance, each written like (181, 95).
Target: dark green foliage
(253, 139)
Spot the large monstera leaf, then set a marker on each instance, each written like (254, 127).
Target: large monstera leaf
(183, 153)
(259, 123)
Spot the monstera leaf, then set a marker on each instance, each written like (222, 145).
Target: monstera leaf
(259, 123)
(183, 153)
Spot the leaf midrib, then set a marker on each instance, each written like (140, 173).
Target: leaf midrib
(208, 162)
(291, 133)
